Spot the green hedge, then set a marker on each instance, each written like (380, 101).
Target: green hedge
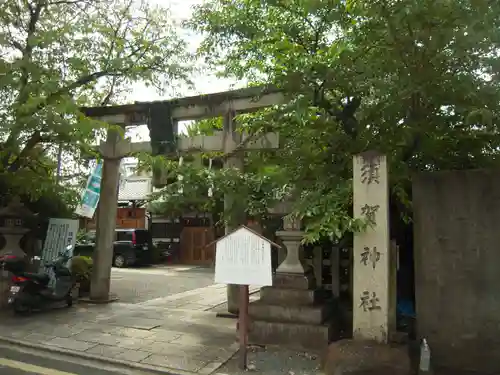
(81, 268)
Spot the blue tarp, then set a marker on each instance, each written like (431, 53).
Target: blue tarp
(405, 308)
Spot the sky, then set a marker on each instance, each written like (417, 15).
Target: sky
(205, 83)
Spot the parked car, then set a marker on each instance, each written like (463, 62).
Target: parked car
(131, 247)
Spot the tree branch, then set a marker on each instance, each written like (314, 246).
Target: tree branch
(35, 138)
(73, 175)
(25, 112)
(110, 94)
(68, 2)
(35, 13)
(27, 54)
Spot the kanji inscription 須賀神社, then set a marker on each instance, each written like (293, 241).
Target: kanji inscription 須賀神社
(371, 247)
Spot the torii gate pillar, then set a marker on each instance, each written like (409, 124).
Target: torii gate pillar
(115, 148)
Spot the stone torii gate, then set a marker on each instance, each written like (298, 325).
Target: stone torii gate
(230, 141)
(373, 267)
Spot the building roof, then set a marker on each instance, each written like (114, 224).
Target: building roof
(245, 228)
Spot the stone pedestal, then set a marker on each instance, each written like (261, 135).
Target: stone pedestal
(351, 357)
(292, 312)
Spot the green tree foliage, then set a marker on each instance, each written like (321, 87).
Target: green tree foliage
(414, 79)
(58, 55)
(205, 127)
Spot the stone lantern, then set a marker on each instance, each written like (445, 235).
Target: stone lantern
(291, 235)
(15, 221)
(293, 311)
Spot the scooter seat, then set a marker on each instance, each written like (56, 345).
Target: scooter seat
(42, 278)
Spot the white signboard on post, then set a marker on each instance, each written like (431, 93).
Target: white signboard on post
(243, 257)
(60, 234)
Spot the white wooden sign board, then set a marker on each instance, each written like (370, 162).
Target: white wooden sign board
(243, 258)
(60, 234)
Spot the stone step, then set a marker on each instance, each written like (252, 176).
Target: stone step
(291, 335)
(314, 314)
(272, 295)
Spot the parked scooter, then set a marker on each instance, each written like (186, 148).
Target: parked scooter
(31, 291)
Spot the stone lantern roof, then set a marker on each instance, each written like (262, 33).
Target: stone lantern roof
(16, 209)
(16, 215)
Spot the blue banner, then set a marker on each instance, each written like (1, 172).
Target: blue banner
(91, 194)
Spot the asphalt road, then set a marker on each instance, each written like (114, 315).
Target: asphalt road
(136, 285)
(20, 361)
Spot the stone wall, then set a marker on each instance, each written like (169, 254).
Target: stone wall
(457, 267)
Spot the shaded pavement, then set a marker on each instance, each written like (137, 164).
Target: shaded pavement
(174, 333)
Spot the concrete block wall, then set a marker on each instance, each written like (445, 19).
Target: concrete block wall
(457, 267)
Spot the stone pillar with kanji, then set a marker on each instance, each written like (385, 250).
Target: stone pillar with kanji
(372, 260)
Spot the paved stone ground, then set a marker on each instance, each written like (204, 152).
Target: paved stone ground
(222, 308)
(274, 361)
(156, 332)
(136, 285)
(166, 318)
(174, 332)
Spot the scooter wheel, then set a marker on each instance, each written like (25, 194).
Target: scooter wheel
(20, 309)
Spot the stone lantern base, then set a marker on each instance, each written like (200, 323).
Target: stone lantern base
(5, 283)
(293, 313)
